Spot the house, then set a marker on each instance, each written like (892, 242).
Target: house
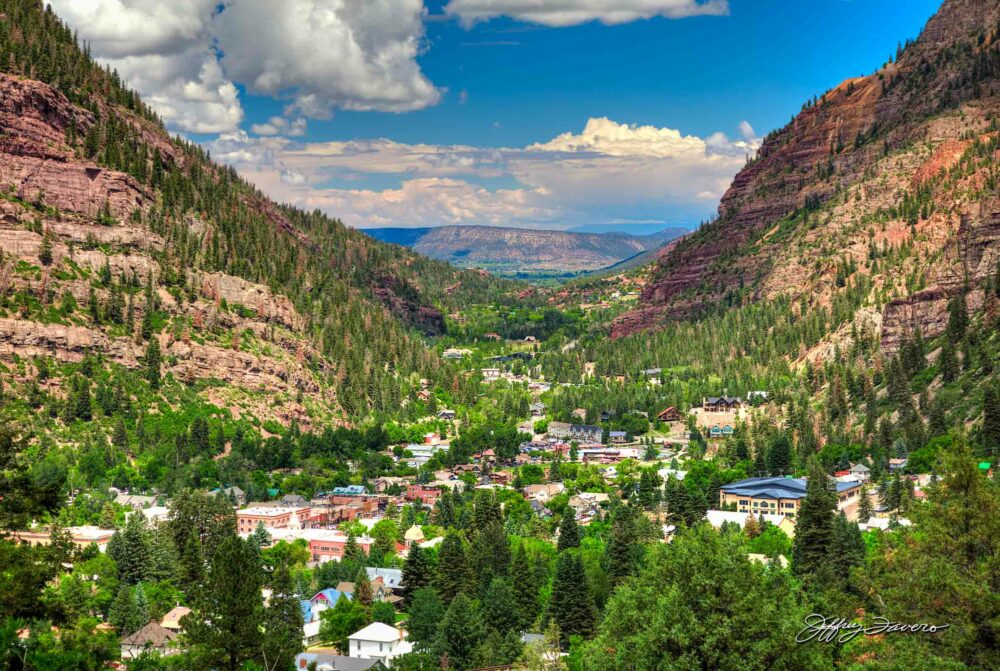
(392, 577)
(586, 433)
(882, 523)
(156, 514)
(781, 496)
(558, 430)
(492, 336)
(321, 661)
(135, 501)
(860, 471)
(455, 353)
(294, 500)
(232, 493)
(651, 372)
(719, 517)
(151, 638)
(424, 395)
(543, 492)
(491, 374)
(172, 620)
(896, 465)
(580, 414)
(618, 437)
(537, 409)
(380, 591)
(446, 414)
(322, 600)
(379, 641)
(667, 473)
(607, 415)
(720, 430)
(721, 404)
(670, 414)
(425, 495)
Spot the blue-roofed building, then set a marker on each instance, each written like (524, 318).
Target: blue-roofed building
(307, 610)
(782, 496)
(350, 490)
(392, 577)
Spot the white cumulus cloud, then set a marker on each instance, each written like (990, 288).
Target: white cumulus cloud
(558, 13)
(607, 171)
(186, 56)
(327, 54)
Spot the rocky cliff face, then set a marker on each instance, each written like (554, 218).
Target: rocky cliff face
(849, 160)
(222, 328)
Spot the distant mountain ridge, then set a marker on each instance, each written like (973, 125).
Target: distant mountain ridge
(525, 252)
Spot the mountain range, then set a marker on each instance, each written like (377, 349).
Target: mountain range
(525, 253)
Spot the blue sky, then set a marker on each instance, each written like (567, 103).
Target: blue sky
(463, 124)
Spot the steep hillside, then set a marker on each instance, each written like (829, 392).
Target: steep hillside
(887, 183)
(115, 234)
(517, 251)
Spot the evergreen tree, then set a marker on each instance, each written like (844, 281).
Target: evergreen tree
(814, 527)
(948, 362)
(261, 536)
(525, 588)
(426, 611)
(338, 623)
(282, 623)
(223, 632)
(417, 572)
(865, 509)
(991, 420)
(572, 605)
(847, 548)
(569, 531)
(125, 615)
(460, 632)
(622, 550)
(363, 589)
(129, 547)
(499, 607)
(152, 363)
(453, 575)
(779, 456)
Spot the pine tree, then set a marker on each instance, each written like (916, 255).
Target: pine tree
(425, 613)
(417, 572)
(623, 546)
(282, 623)
(125, 615)
(453, 576)
(223, 632)
(864, 505)
(572, 605)
(261, 536)
(569, 531)
(460, 632)
(779, 456)
(45, 250)
(152, 363)
(363, 589)
(499, 607)
(948, 362)
(991, 420)
(847, 548)
(129, 547)
(525, 588)
(814, 526)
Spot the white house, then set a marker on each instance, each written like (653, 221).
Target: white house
(379, 641)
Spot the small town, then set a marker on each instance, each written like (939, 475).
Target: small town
(499, 335)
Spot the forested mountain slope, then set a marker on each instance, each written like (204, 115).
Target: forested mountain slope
(888, 180)
(115, 235)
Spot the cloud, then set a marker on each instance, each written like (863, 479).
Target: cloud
(186, 56)
(164, 51)
(327, 54)
(607, 171)
(277, 125)
(559, 13)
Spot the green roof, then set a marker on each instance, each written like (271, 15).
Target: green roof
(984, 465)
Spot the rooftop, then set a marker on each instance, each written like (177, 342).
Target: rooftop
(379, 632)
(777, 488)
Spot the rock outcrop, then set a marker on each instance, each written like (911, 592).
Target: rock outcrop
(836, 144)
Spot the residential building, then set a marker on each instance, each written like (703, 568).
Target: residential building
(232, 493)
(618, 437)
(860, 472)
(135, 501)
(721, 404)
(379, 641)
(151, 638)
(321, 661)
(543, 492)
(392, 577)
(172, 620)
(428, 496)
(670, 414)
(782, 496)
(537, 409)
(897, 465)
(446, 414)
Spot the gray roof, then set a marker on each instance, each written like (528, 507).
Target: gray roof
(338, 662)
(776, 488)
(392, 577)
(153, 634)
